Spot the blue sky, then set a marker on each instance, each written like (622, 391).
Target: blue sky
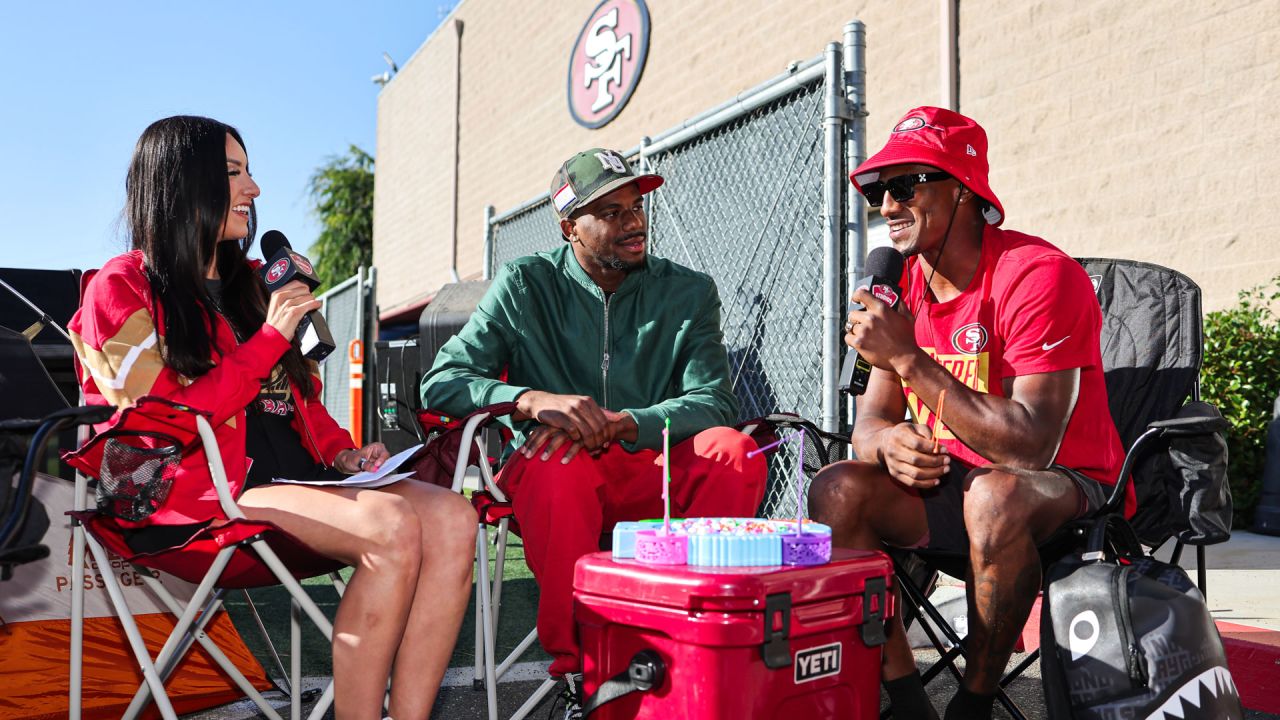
(81, 80)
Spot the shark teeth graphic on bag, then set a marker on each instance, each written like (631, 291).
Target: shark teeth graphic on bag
(1216, 681)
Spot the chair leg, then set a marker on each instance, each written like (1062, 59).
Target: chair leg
(1201, 576)
(134, 637)
(295, 659)
(271, 646)
(189, 629)
(77, 621)
(487, 623)
(535, 699)
(166, 662)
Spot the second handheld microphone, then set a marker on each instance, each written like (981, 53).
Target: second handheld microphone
(884, 270)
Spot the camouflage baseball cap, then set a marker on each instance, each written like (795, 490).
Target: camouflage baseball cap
(592, 174)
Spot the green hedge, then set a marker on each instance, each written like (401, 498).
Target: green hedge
(1241, 376)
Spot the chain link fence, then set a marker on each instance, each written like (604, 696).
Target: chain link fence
(528, 229)
(744, 202)
(348, 309)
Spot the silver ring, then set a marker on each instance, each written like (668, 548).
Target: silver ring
(360, 464)
(848, 326)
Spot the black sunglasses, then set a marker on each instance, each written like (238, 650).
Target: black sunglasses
(900, 187)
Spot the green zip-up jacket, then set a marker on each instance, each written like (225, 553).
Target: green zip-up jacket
(653, 349)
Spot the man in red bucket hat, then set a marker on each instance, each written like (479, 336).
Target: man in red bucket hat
(1006, 327)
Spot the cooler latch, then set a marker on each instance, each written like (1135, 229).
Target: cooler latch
(776, 649)
(874, 598)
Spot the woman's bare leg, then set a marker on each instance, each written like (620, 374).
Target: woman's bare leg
(377, 533)
(444, 585)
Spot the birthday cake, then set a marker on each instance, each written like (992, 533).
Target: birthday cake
(723, 542)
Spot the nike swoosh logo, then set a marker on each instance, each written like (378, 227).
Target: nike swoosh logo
(1049, 346)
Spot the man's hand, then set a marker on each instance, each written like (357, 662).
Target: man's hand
(547, 439)
(907, 450)
(883, 337)
(577, 415)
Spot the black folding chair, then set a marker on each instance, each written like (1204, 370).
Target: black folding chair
(1151, 350)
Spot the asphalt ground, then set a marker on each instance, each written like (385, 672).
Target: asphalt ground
(1242, 576)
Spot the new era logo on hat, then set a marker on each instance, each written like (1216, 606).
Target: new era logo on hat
(592, 174)
(943, 139)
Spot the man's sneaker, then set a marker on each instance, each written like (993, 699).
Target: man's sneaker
(571, 697)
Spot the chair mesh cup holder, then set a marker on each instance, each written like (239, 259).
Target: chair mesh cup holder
(136, 474)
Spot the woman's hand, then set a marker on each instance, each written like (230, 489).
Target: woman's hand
(288, 305)
(368, 458)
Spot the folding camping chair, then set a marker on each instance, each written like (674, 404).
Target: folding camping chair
(131, 461)
(453, 447)
(1151, 347)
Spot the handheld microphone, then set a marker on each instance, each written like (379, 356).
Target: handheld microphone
(283, 266)
(884, 270)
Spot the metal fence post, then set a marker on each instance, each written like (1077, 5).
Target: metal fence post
(833, 182)
(487, 271)
(855, 91)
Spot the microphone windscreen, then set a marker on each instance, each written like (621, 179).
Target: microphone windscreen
(883, 262)
(272, 242)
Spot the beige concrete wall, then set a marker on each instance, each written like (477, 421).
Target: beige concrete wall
(1137, 129)
(1142, 129)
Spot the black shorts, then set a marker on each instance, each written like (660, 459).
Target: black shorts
(944, 506)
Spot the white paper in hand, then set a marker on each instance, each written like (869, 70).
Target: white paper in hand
(384, 475)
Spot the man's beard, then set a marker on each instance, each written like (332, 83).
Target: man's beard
(613, 262)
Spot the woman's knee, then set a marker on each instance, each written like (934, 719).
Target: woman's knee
(391, 532)
(446, 520)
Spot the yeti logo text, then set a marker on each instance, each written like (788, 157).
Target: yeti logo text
(606, 50)
(607, 61)
(1081, 643)
(817, 662)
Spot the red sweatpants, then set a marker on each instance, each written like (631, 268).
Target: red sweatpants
(564, 508)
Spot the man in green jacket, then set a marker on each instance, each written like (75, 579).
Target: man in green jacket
(602, 344)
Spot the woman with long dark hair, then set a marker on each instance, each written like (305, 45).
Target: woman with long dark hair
(186, 316)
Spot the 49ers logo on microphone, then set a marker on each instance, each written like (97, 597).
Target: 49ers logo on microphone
(276, 271)
(304, 265)
(885, 294)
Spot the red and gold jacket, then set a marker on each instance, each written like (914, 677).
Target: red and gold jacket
(116, 334)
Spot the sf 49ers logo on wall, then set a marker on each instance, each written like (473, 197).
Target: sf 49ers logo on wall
(969, 339)
(607, 61)
(277, 270)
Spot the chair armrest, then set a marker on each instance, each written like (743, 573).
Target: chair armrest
(216, 471)
(1198, 425)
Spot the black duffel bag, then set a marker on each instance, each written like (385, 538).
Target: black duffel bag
(1130, 638)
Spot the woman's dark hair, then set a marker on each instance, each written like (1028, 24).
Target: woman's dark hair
(177, 198)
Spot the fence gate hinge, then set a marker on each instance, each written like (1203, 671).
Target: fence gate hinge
(843, 109)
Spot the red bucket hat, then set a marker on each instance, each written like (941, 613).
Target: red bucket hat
(944, 139)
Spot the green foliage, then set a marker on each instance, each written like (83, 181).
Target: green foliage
(341, 193)
(1241, 376)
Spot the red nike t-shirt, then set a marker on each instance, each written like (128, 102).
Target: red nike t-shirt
(1029, 309)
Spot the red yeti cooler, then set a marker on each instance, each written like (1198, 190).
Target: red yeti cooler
(748, 642)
